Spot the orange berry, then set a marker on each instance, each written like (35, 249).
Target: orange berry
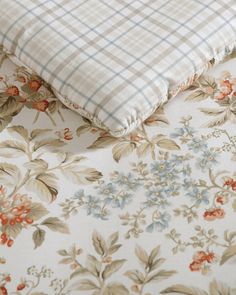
(18, 219)
(12, 222)
(34, 85)
(40, 105)
(20, 287)
(4, 221)
(7, 278)
(29, 220)
(3, 290)
(3, 236)
(10, 242)
(12, 91)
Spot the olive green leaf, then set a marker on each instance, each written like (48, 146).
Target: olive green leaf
(113, 238)
(37, 211)
(93, 265)
(160, 275)
(80, 174)
(99, 243)
(212, 111)
(144, 148)
(167, 144)
(38, 237)
(113, 267)
(12, 230)
(9, 174)
(78, 272)
(198, 95)
(123, 149)
(234, 205)
(85, 285)
(218, 121)
(4, 121)
(136, 276)
(157, 118)
(44, 186)
(11, 148)
(9, 106)
(142, 255)
(20, 130)
(38, 132)
(102, 142)
(55, 224)
(184, 290)
(48, 143)
(228, 253)
(38, 165)
(217, 288)
(115, 289)
(83, 129)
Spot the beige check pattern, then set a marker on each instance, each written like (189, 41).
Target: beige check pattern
(116, 61)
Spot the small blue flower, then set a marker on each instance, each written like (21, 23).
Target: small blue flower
(127, 181)
(162, 167)
(199, 196)
(186, 170)
(119, 201)
(178, 132)
(106, 189)
(207, 160)
(197, 145)
(160, 224)
(91, 204)
(79, 194)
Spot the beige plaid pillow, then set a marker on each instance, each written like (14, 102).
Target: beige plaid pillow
(116, 61)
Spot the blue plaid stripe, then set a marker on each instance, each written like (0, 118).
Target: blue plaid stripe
(124, 55)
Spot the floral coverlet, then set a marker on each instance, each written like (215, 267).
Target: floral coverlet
(152, 213)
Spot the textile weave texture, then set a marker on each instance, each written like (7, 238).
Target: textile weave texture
(116, 61)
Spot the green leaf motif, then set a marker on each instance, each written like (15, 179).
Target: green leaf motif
(141, 254)
(44, 186)
(198, 95)
(37, 211)
(48, 143)
(38, 237)
(115, 289)
(168, 144)
(103, 142)
(228, 253)
(9, 106)
(123, 149)
(160, 275)
(136, 276)
(12, 231)
(99, 243)
(4, 121)
(113, 267)
(38, 132)
(80, 174)
(12, 146)
(9, 174)
(38, 165)
(80, 271)
(55, 224)
(83, 129)
(85, 285)
(183, 290)
(93, 265)
(20, 130)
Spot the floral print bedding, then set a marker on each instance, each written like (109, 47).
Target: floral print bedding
(82, 212)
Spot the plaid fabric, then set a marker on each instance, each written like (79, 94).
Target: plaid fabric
(115, 61)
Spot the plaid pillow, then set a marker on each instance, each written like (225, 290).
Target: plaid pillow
(116, 61)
